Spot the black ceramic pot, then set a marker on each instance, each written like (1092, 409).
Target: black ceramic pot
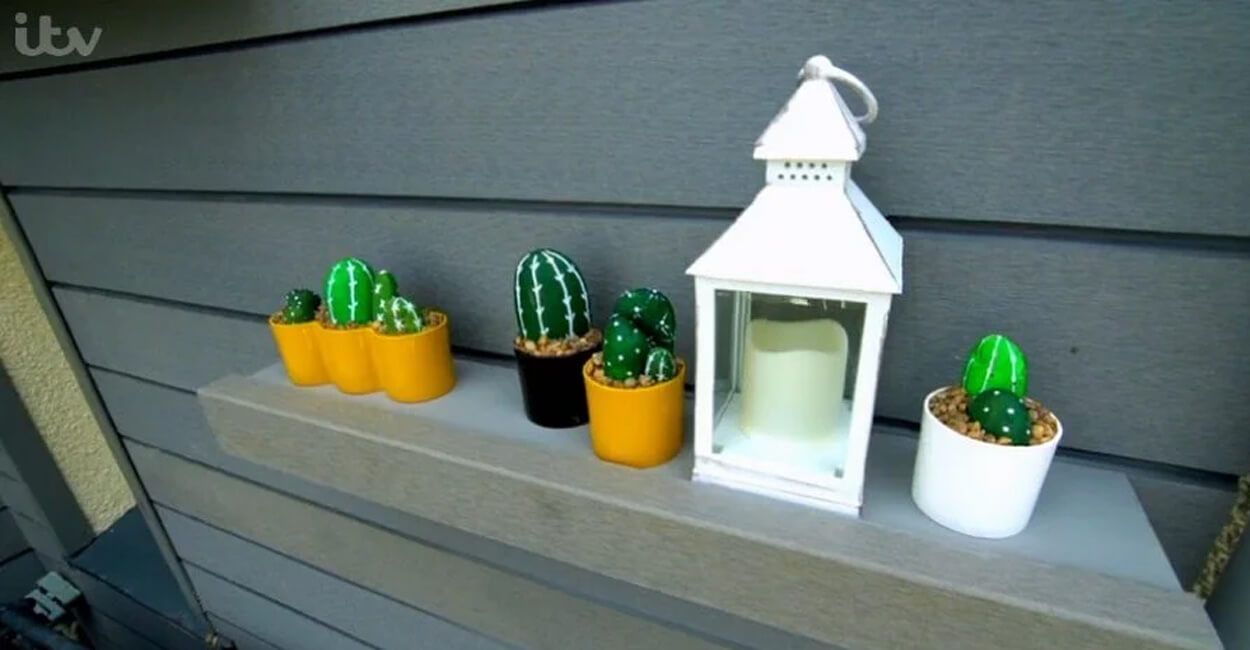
(553, 390)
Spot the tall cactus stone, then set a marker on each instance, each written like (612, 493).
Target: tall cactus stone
(1001, 413)
(551, 297)
(653, 312)
(625, 349)
(398, 315)
(349, 292)
(300, 306)
(661, 365)
(384, 286)
(996, 362)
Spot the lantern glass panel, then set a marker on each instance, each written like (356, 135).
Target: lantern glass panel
(785, 380)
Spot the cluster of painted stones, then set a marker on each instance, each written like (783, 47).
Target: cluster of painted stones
(953, 408)
(549, 347)
(640, 337)
(599, 375)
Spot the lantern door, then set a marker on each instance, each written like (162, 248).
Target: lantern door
(790, 396)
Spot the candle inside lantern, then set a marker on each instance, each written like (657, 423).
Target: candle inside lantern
(793, 378)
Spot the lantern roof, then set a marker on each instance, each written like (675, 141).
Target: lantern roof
(820, 237)
(814, 234)
(816, 123)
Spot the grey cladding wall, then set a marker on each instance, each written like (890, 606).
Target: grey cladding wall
(1070, 173)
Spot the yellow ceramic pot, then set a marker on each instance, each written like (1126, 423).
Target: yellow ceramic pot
(639, 427)
(345, 353)
(297, 345)
(415, 367)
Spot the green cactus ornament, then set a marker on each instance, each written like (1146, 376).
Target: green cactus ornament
(652, 311)
(1002, 413)
(384, 286)
(551, 298)
(661, 365)
(349, 292)
(625, 349)
(996, 362)
(300, 306)
(398, 315)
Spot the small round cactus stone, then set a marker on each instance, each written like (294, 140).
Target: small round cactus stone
(1001, 413)
(661, 365)
(625, 349)
(996, 362)
(652, 311)
(300, 306)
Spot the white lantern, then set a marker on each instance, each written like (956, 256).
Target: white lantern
(792, 302)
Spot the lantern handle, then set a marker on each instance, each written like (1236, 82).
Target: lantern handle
(820, 67)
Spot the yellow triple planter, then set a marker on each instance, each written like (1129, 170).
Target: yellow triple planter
(407, 367)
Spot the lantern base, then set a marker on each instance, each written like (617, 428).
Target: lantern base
(716, 473)
(806, 470)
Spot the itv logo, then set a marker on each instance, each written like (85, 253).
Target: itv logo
(48, 33)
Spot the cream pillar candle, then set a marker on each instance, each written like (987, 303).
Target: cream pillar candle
(793, 377)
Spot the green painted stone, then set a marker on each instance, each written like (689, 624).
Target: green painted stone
(300, 306)
(652, 311)
(996, 362)
(1002, 414)
(399, 316)
(550, 297)
(349, 292)
(625, 349)
(661, 365)
(384, 286)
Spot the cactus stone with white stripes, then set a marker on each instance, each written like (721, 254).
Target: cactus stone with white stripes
(384, 287)
(1001, 414)
(398, 315)
(661, 365)
(300, 306)
(653, 312)
(551, 297)
(625, 349)
(996, 362)
(349, 292)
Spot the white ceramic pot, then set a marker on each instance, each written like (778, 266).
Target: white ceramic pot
(975, 487)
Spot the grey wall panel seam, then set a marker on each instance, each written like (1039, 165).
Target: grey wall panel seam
(312, 567)
(276, 603)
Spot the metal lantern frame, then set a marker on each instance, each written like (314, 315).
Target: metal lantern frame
(809, 234)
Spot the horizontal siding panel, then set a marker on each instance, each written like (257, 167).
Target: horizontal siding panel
(474, 595)
(109, 634)
(134, 27)
(285, 627)
(983, 116)
(1060, 298)
(365, 615)
(172, 421)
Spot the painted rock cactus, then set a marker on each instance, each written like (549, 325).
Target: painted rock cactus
(551, 297)
(625, 349)
(349, 292)
(300, 306)
(661, 365)
(384, 286)
(653, 312)
(640, 337)
(996, 362)
(1001, 413)
(398, 315)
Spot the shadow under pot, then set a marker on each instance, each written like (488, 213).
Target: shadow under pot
(552, 387)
